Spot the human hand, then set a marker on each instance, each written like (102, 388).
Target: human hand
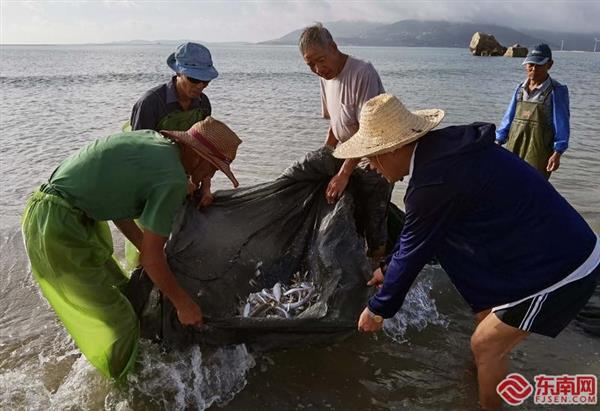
(206, 198)
(191, 187)
(336, 187)
(377, 279)
(367, 322)
(553, 162)
(188, 312)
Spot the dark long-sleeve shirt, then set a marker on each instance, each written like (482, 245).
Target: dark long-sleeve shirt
(497, 227)
(159, 101)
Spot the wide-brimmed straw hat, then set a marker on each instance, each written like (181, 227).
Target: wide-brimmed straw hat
(213, 141)
(386, 125)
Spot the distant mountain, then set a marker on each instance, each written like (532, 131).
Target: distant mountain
(415, 33)
(570, 41)
(171, 42)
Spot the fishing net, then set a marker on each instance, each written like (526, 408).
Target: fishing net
(252, 238)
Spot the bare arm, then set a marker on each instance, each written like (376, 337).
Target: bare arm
(207, 196)
(348, 167)
(155, 263)
(338, 182)
(330, 140)
(130, 230)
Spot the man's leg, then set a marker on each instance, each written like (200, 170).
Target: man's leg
(491, 343)
(499, 332)
(481, 315)
(71, 260)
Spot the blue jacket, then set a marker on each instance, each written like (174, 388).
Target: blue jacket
(497, 227)
(560, 116)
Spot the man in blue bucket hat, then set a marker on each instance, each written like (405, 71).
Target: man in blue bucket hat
(536, 123)
(179, 103)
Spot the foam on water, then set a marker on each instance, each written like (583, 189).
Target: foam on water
(175, 380)
(181, 379)
(418, 311)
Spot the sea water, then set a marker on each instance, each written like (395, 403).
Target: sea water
(55, 99)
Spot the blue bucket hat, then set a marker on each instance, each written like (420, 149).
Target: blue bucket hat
(539, 55)
(193, 60)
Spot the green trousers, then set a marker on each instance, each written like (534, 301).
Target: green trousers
(71, 260)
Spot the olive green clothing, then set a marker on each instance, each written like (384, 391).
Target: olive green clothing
(181, 120)
(71, 260)
(152, 109)
(531, 134)
(125, 176)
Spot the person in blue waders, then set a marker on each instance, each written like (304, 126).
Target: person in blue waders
(177, 105)
(518, 253)
(143, 175)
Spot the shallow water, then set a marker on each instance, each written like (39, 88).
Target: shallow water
(56, 98)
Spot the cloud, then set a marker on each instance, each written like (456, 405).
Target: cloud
(211, 20)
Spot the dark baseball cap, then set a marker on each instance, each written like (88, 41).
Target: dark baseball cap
(539, 54)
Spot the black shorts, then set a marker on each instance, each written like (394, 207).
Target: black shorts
(548, 314)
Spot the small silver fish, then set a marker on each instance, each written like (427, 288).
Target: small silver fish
(281, 301)
(277, 292)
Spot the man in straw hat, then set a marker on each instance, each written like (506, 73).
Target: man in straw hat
(490, 220)
(346, 84)
(144, 175)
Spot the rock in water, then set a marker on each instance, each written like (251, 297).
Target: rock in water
(516, 50)
(483, 44)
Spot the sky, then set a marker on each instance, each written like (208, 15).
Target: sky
(104, 21)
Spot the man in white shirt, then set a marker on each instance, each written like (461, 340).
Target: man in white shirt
(346, 84)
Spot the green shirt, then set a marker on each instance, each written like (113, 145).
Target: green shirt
(130, 175)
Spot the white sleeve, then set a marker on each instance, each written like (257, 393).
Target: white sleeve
(369, 86)
(324, 111)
